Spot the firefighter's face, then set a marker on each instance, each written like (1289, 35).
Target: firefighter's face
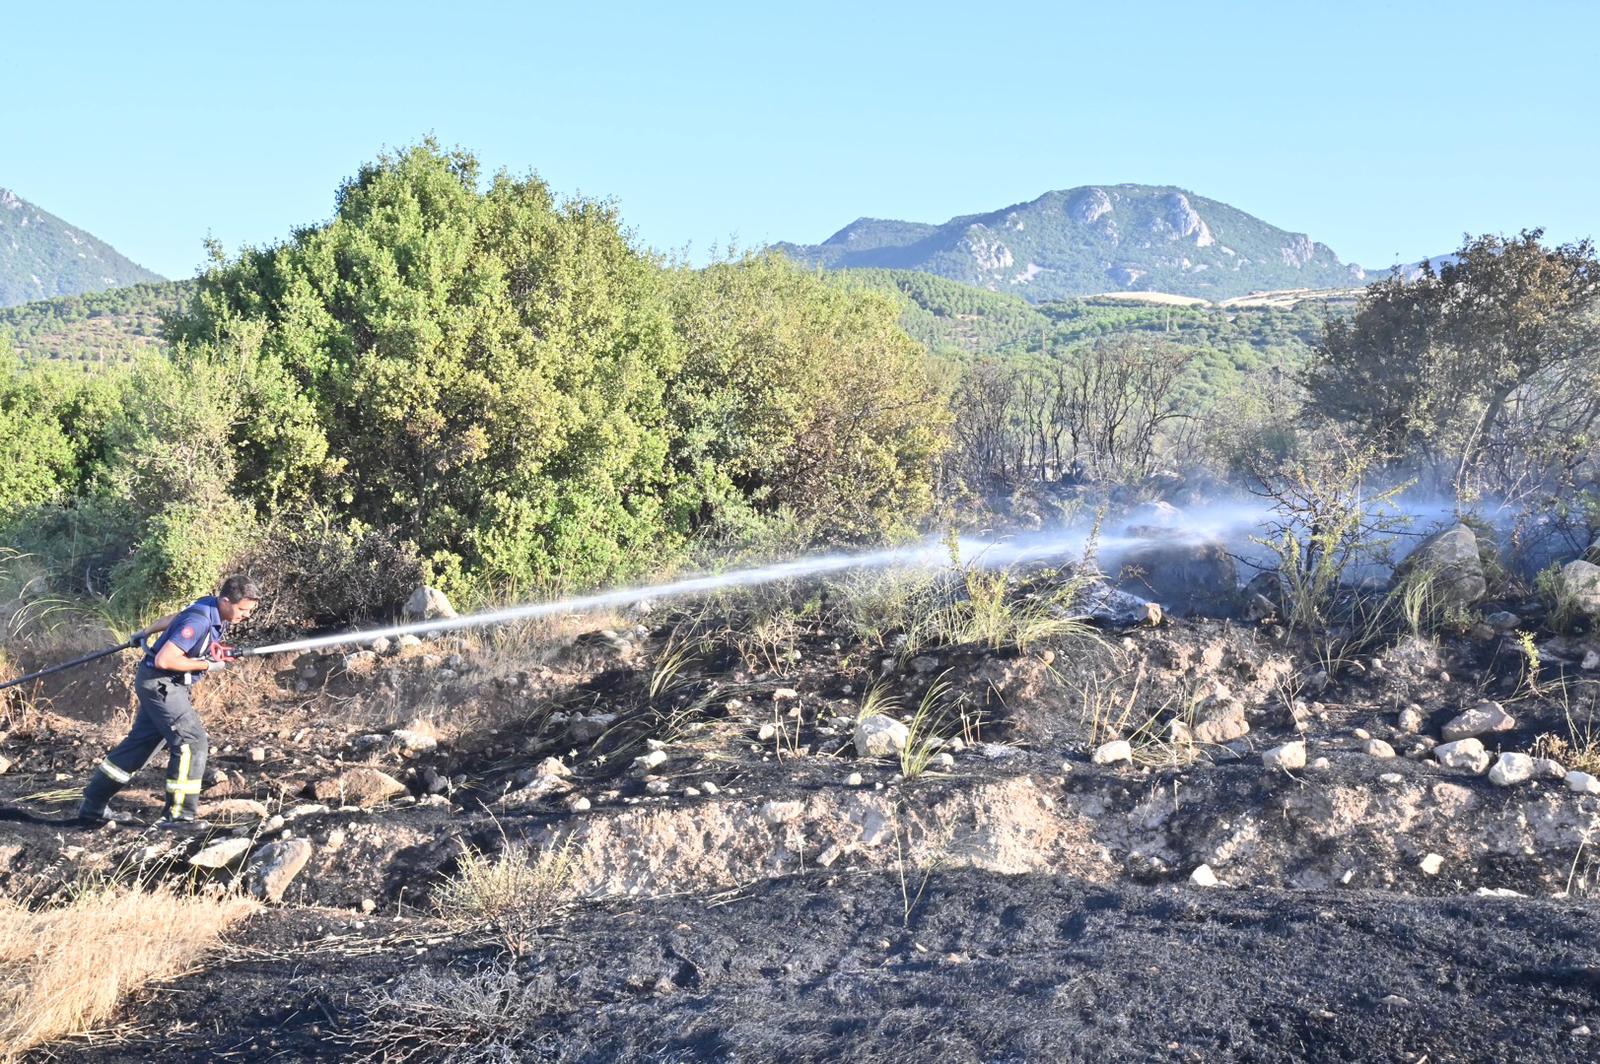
(236, 611)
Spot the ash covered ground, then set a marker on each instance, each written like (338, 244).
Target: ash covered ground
(1195, 839)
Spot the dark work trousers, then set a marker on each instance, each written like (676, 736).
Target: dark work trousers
(165, 716)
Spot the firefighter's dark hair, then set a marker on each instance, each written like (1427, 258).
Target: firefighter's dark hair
(238, 588)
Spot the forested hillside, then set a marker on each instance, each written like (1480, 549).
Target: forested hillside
(95, 328)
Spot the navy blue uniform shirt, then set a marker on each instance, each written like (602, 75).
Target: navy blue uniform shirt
(194, 630)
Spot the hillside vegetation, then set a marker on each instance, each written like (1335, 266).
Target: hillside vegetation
(1094, 239)
(42, 257)
(96, 328)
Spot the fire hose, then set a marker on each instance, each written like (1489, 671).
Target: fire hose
(222, 653)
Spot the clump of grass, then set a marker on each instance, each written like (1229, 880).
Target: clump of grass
(923, 740)
(487, 1017)
(1120, 705)
(513, 886)
(1579, 748)
(63, 970)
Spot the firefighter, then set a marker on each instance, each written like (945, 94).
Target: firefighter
(191, 645)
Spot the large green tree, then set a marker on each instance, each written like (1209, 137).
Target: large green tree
(1489, 367)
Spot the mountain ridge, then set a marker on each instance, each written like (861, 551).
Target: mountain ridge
(43, 256)
(1094, 239)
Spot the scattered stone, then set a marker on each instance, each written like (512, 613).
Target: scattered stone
(233, 808)
(924, 664)
(275, 866)
(1431, 864)
(1289, 756)
(957, 745)
(1112, 752)
(409, 743)
(1498, 892)
(1377, 748)
(258, 754)
(427, 604)
(944, 761)
(1512, 768)
(1481, 719)
(646, 762)
(1503, 621)
(579, 804)
(1223, 722)
(1591, 660)
(1411, 720)
(657, 786)
(1466, 755)
(1203, 876)
(221, 854)
(785, 694)
(1391, 778)
(363, 786)
(710, 787)
(775, 812)
(5, 766)
(1582, 783)
(368, 905)
(1548, 768)
(1362, 734)
(880, 736)
(360, 663)
(1321, 764)
(407, 642)
(853, 780)
(768, 731)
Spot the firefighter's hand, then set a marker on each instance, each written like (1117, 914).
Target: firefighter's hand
(135, 641)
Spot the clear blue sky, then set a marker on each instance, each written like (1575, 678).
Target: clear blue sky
(1383, 129)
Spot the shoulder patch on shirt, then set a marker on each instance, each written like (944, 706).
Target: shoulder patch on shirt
(188, 631)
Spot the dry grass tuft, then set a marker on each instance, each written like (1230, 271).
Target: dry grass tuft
(484, 1018)
(515, 883)
(64, 970)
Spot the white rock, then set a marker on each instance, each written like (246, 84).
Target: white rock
(1548, 768)
(1498, 892)
(1203, 876)
(275, 866)
(409, 743)
(785, 694)
(1411, 720)
(1481, 719)
(1114, 751)
(957, 745)
(258, 754)
(646, 762)
(1391, 778)
(579, 804)
(881, 736)
(221, 854)
(1512, 768)
(1591, 660)
(1465, 755)
(944, 761)
(1377, 748)
(768, 731)
(709, 787)
(853, 780)
(5, 766)
(1431, 864)
(1288, 757)
(427, 604)
(1582, 783)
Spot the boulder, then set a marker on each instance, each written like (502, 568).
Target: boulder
(408, 742)
(427, 604)
(1108, 606)
(1582, 783)
(1580, 582)
(275, 866)
(1466, 755)
(1377, 748)
(365, 787)
(1450, 559)
(1481, 719)
(1187, 574)
(880, 736)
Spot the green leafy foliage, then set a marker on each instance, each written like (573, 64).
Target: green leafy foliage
(97, 328)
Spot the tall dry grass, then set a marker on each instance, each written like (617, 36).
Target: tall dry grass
(63, 970)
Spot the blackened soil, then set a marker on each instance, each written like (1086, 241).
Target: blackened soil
(985, 968)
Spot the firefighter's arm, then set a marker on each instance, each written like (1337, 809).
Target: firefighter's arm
(172, 658)
(149, 630)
